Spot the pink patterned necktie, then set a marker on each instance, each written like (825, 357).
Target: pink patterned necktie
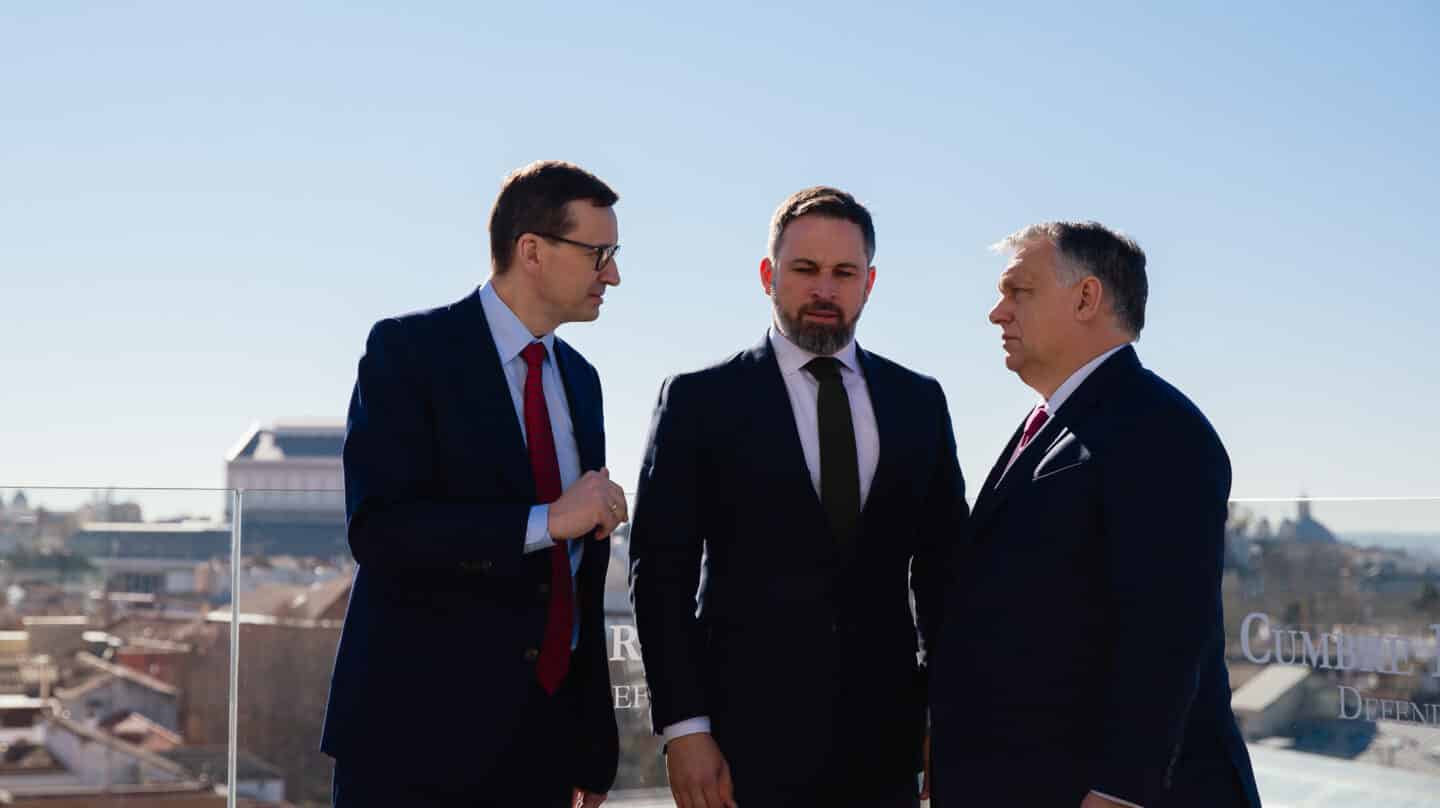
(1033, 425)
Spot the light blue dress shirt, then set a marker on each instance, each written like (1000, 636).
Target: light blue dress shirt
(511, 337)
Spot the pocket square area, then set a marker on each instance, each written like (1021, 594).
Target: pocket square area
(1068, 452)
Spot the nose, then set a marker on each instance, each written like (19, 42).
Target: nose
(825, 288)
(1000, 313)
(610, 273)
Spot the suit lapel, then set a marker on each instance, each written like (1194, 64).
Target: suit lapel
(1087, 395)
(585, 412)
(889, 424)
(988, 498)
(486, 392)
(776, 424)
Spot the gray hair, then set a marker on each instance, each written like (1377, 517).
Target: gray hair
(1087, 249)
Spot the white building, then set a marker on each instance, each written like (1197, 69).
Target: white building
(112, 689)
(95, 758)
(293, 488)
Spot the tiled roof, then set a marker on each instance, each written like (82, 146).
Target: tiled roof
(129, 749)
(122, 672)
(213, 762)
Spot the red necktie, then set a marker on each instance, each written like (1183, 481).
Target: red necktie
(559, 620)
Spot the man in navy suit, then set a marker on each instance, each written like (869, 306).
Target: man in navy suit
(1082, 661)
(791, 500)
(472, 667)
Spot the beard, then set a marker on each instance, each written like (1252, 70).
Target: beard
(822, 339)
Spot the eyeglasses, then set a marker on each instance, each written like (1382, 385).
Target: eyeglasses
(604, 253)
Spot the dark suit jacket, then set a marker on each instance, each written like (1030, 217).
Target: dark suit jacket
(446, 614)
(1083, 640)
(802, 657)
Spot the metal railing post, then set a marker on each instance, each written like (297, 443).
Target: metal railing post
(233, 741)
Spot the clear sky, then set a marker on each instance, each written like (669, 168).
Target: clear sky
(202, 209)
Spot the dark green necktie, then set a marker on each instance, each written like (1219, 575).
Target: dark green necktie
(839, 468)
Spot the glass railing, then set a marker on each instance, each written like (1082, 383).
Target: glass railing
(1332, 612)
(116, 647)
(114, 661)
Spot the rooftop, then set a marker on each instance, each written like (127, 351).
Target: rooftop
(1266, 687)
(99, 736)
(135, 728)
(290, 438)
(106, 672)
(312, 602)
(212, 762)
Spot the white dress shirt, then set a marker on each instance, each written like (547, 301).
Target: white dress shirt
(511, 337)
(804, 391)
(1053, 405)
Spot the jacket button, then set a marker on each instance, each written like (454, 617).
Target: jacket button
(544, 589)
(532, 654)
(485, 566)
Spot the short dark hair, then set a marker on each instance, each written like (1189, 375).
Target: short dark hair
(1092, 248)
(532, 200)
(822, 200)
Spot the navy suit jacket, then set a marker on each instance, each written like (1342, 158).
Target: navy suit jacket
(1083, 645)
(446, 615)
(803, 657)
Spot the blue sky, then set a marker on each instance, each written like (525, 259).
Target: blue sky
(203, 209)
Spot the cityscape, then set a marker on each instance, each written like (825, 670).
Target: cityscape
(115, 636)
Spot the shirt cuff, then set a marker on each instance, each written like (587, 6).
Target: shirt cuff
(537, 529)
(690, 726)
(1115, 799)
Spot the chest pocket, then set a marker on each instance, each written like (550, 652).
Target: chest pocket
(1059, 502)
(1063, 455)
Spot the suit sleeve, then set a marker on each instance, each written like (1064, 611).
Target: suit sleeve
(395, 522)
(944, 514)
(665, 550)
(1163, 511)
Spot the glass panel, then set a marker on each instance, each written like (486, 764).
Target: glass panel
(640, 780)
(295, 574)
(1333, 621)
(1332, 617)
(113, 664)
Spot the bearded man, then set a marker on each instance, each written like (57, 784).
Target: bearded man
(792, 499)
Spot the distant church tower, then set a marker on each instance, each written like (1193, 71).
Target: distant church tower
(1305, 528)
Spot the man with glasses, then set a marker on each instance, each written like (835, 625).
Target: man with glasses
(792, 499)
(479, 510)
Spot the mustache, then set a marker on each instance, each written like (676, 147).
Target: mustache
(821, 308)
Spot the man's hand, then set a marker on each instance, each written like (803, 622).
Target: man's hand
(580, 798)
(592, 503)
(925, 783)
(1093, 800)
(699, 775)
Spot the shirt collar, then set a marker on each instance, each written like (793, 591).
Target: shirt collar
(510, 335)
(792, 357)
(1064, 391)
